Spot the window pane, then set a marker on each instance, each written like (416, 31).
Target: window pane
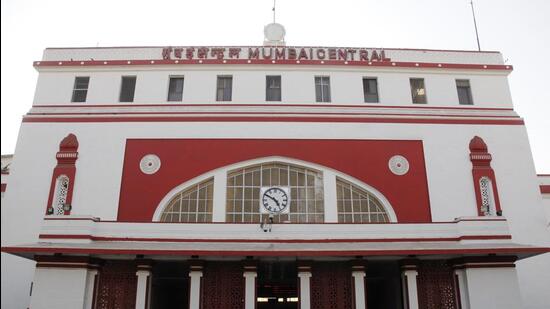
(273, 88)
(127, 89)
(305, 205)
(370, 90)
(193, 204)
(464, 91)
(224, 85)
(353, 204)
(80, 89)
(418, 90)
(322, 89)
(175, 89)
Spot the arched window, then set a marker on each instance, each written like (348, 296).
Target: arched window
(60, 195)
(193, 204)
(356, 205)
(487, 198)
(306, 192)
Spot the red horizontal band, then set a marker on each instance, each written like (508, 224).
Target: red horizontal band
(545, 189)
(276, 119)
(530, 250)
(349, 240)
(142, 62)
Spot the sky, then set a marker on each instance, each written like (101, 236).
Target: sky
(518, 29)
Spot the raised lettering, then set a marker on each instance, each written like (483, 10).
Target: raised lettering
(332, 54)
(383, 56)
(303, 54)
(166, 53)
(291, 53)
(253, 53)
(189, 53)
(320, 53)
(352, 53)
(342, 54)
(363, 55)
(177, 52)
(234, 52)
(265, 55)
(280, 53)
(217, 53)
(202, 52)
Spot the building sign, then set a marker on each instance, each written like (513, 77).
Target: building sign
(275, 53)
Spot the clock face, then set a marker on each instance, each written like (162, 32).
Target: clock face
(275, 199)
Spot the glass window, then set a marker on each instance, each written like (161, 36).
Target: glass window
(273, 88)
(370, 89)
(418, 91)
(127, 88)
(322, 88)
(306, 193)
(175, 89)
(356, 205)
(224, 87)
(464, 92)
(193, 204)
(80, 89)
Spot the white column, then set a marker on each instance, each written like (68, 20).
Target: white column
(143, 287)
(462, 288)
(305, 302)
(410, 289)
(250, 289)
(195, 287)
(493, 286)
(91, 278)
(359, 280)
(329, 187)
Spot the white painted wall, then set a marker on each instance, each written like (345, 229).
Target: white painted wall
(62, 288)
(493, 288)
(489, 89)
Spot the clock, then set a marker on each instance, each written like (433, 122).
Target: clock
(274, 200)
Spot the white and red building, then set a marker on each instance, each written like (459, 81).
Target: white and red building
(404, 176)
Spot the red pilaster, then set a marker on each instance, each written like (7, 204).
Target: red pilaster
(481, 168)
(66, 160)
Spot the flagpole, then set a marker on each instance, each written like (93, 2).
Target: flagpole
(475, 25)
(273, 11)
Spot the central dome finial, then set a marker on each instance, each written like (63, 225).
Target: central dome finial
(274, 33)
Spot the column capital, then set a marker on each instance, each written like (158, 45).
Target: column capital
(304, 266)
(409, 264)
(304, 274)
(196, 265)
(144, 264)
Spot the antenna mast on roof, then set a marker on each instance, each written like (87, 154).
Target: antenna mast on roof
(274, 11)
(475, 24)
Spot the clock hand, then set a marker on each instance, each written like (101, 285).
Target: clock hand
(274, 199)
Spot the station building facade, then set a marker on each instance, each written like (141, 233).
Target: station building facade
(273, 177)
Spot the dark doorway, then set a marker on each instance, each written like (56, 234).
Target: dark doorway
(277, 286)
(170, 286)
(383, 285)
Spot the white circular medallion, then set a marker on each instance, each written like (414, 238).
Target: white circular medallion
(149, 164)
(398, 165)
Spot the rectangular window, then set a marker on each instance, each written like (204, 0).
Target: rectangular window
(175, 89)
(418, 91)
(370, 89)
(322, 88)
(224, 87)
(273, 88)
(127, 88)
(464, 92)
(80, 89)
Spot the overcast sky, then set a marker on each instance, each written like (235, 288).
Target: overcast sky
(519, 29)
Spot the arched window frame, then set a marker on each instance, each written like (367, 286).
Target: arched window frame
(220, 186)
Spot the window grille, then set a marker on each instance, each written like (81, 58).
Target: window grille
(306, 192)
(193, 204)
(356, 205)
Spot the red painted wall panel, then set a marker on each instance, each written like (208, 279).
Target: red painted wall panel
(184, 159)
